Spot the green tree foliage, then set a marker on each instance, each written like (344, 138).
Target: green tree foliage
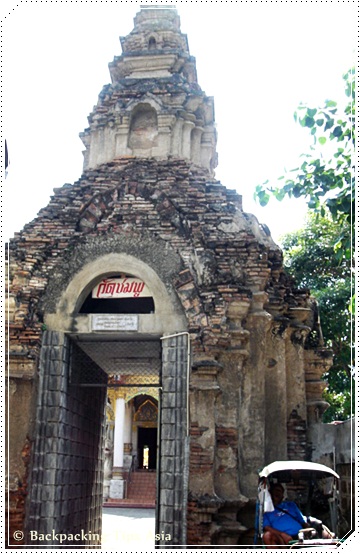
(309, 256)
(320, 255)
(325, 177)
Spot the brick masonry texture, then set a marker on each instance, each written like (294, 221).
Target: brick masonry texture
(171, 203)
(228, 264)
(148, 191)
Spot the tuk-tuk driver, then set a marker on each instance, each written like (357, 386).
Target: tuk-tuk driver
(283, 524)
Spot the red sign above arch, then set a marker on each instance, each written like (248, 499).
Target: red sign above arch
(121, 287)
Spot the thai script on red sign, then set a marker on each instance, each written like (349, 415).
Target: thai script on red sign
(124, 287)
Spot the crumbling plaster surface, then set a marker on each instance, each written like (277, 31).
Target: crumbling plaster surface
(20, 411)
(333, 443)
(275, 395)
(253, 405)
(115, 252)
(20, 395)
(91, 264)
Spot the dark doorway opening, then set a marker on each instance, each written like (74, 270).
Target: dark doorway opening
(147, 444)
(117, 305)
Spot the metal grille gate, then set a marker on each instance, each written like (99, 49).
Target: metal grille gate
(65, 490)
(125, 363)
(149, 364)
(66, 479)
(145, 365)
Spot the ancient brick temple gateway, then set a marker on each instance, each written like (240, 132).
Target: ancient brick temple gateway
(144, 292)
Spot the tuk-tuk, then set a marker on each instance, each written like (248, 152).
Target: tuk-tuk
(314, 488)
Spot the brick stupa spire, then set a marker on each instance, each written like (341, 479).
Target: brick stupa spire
(154, 106)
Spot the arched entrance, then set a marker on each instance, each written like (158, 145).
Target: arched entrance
(99, 353)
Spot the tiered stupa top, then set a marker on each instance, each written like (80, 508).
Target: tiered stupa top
(154, 106)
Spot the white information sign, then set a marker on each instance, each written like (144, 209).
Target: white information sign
(114, 322)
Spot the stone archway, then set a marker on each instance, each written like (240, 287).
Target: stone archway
(69, 443)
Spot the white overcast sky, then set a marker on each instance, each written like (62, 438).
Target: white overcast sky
(258, 60)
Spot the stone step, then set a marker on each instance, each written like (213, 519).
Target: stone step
(142, 487)
(128, 503)
(141, 492)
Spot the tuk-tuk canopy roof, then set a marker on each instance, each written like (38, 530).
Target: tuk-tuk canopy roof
(293, 465)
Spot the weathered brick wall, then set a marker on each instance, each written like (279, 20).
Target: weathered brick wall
(231, 282)
(296, 437)
(164, 199)
(167, 200)
(200, 522)
(16, 498)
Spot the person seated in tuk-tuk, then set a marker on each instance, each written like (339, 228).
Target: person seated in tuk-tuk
(284, 523)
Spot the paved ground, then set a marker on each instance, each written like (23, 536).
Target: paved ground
(128, 530)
